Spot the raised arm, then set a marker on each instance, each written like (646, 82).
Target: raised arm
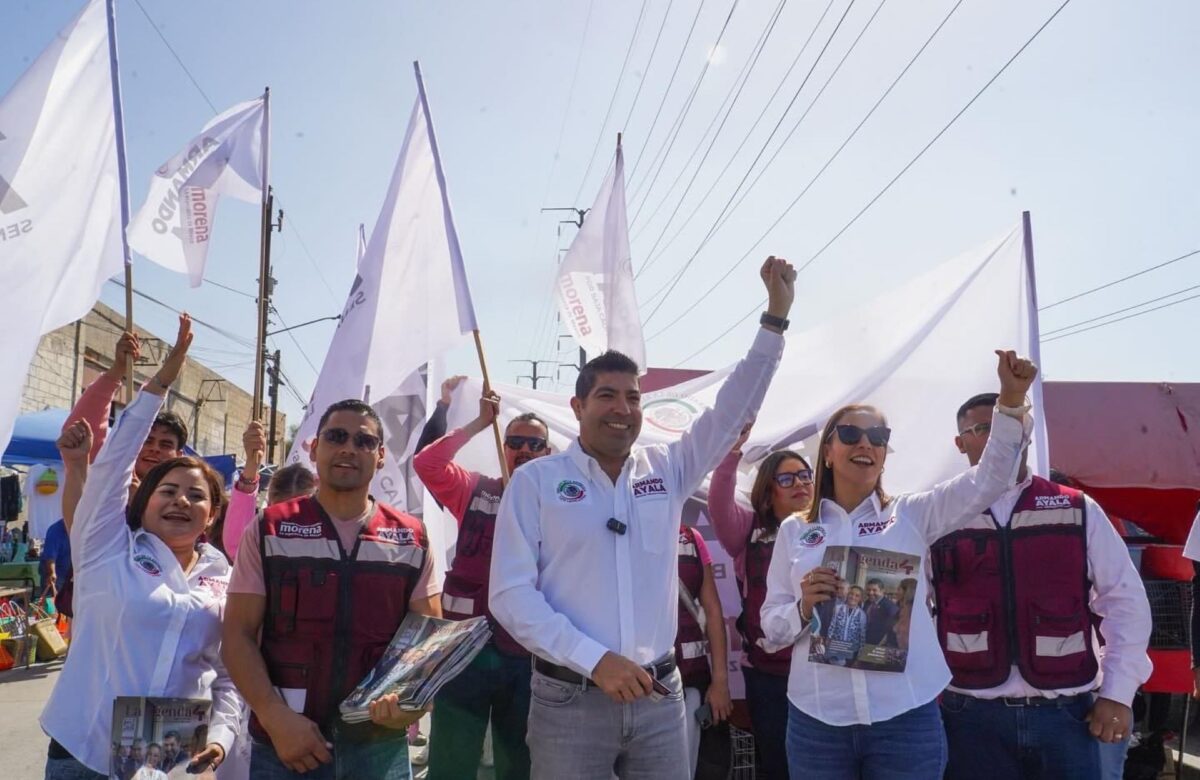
(731, 521)
(449, 483)
(435, 426)
(700, 449)
(75, 447)
(243, 499)
(954, 502)
(96, 400)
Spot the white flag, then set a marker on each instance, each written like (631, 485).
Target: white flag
(60, 196)
(595, 280)
(409, 303)
(228, 157)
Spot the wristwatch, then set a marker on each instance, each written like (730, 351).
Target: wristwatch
(771, 321)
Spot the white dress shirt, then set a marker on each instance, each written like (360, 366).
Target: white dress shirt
(1191, 549)
(1117, 597)
(568, 588)
(908, 524)
(142, 627)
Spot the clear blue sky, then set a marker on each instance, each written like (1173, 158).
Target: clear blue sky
(1093, 129)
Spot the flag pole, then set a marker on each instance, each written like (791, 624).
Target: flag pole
(122, 177)
(264, 263)
(487, 388)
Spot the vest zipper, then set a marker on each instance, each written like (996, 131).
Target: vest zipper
(1010, 623)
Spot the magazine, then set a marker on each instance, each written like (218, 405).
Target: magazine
(155, 738)
(425, 654)
(866, 625)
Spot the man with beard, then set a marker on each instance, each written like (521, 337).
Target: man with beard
(320, 586)
(495, 686)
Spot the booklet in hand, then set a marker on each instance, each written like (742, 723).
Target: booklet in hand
(425, 654)
(155, 738)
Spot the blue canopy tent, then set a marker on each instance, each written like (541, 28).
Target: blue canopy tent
(34, 435)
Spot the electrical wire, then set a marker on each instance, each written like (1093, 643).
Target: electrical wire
(1056, 331)
(1077, 296)
(649, 62)
(1122, 319)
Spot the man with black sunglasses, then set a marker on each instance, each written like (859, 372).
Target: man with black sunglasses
(495, 687)
(320, 585)
(1021, 592)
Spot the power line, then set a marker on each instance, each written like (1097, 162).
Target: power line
(1122, 279)
(653, 49)
(1056, 331)
(175, 54)
(227, 334)
(612, 101)
(1126, 317)
(679, 276)
(231, 289)
(670, 83)
(292, 336)
(878, 195)
(312, 260)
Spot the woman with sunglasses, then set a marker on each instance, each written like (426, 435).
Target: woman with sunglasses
(782, 488)
(862, 723)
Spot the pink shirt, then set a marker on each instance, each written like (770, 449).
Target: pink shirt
(243, 508)
(94, 405)
(702, 549)
(447, 481)
(731, 521)
(248, 567)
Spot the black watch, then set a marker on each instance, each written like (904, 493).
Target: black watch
(772, 321)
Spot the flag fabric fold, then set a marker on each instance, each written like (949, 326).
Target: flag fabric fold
(60, 195)
(595, 290)
(227, 157)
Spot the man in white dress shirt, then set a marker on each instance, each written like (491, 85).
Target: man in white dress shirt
(584, 571)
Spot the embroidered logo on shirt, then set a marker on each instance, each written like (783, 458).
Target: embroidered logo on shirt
(872, 527)
(812, 536)
(569, 491)
(1052, 502)
(397, 535)
(648, 487)
(288, 528)
(147, 564)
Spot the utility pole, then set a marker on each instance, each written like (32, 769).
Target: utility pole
(273, 373)
(577, 222)
(533, 376)
(266, 289)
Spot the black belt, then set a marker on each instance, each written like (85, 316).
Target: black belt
(658, 670)
(1028, 701)
(58, 752)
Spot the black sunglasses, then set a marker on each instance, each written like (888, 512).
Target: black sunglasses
(850, 435)
(362, 441)
(787, 479)
(535, 443)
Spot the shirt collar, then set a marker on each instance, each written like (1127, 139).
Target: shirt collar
(587, 464)
(830, 509)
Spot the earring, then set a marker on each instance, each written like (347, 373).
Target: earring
(827, 464)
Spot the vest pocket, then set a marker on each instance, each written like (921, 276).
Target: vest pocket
(1059, 629)
(969, 637)
(317, 595)
(288, 664)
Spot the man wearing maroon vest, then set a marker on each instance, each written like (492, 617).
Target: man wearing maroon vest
(495, 687)
(326, 581)
(1020, 593)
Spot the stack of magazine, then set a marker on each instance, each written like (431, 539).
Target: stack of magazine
(425, 654)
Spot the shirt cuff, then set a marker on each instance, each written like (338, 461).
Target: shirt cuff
(585, 656)
(223, 736)
(1119, 689)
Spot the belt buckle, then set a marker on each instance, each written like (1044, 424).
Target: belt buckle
(1016, 701)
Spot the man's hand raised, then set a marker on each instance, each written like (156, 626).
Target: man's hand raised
(128, 350)
(779, 277)
(449, 386)
(1016, 377)
(620, 678)
(75, 443)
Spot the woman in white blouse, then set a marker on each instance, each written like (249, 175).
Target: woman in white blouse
(149, 595)
(861, 723)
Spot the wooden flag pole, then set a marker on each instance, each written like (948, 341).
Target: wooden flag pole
(487, 388)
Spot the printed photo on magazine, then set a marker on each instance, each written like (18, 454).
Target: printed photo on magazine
(155, 738)
(866, 625)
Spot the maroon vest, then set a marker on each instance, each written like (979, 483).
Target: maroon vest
(330, 615)
(1018, 594)
(465, 592)
(691, 645)
(754, 592)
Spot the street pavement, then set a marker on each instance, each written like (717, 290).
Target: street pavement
(23, 693)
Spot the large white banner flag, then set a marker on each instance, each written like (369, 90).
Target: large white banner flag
(409, 302)
(595, 280)
(60, 201)
(916, 352)
(228, 157)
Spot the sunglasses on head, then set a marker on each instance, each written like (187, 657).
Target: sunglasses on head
(787, 479)
(978, 429)
(850, 435)
(362, 441)
(535, 443)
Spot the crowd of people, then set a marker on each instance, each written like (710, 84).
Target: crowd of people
(1021, 640)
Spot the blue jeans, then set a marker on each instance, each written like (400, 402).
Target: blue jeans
(1112, 759)
(385, 759)
(580, 733)
(766, 698)
(493, 687)
(990, 739)
(70, 769)
(910, 746)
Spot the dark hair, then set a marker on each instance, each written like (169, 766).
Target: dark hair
(822, 476)
(216, 487)
(528, 417)
(975, 401)
(610, 362)
(175, 424)
(760, 494)
(875, 581)
(1059, 478)
(170, 734)
(292, 479)
(350, 405)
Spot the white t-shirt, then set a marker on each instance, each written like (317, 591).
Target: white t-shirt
(44, 509)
